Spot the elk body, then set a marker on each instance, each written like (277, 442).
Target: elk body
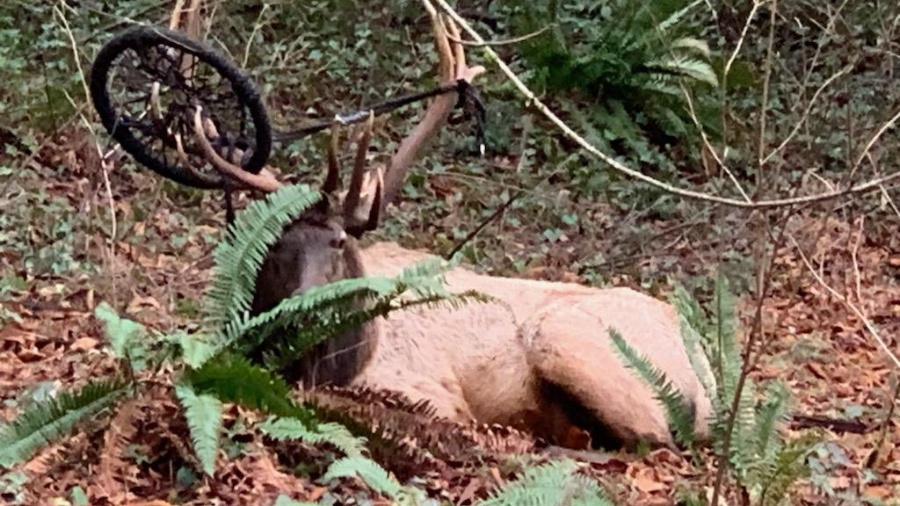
(540, 358)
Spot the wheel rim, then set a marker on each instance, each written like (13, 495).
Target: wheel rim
(149, 104)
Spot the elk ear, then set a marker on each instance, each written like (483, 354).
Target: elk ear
(374, 214)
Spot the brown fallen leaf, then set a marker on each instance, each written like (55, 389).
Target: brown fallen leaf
(138, 302)
(648, 485)
(880, 491)
(495, 473)
(85, 344)
(30, 355)
(816, 370)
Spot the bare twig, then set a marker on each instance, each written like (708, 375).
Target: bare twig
(881, 130)
(854, 255)
(504, 42)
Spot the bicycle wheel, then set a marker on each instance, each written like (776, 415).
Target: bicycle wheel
(146, 84)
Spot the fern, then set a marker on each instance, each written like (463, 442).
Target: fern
(693, 343)
(786, 466)
(331, 433)
(338, 293)
(286, 338)
(552, 484)
(204, 417)
(44, 423)
(689, 309)
(196, 349)
(233, 379)
(773, 412)
(760, 461)
(247, 241)
(637, 56)
(724, 322)
(372, 474)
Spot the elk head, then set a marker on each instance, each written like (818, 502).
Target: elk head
(321, 246)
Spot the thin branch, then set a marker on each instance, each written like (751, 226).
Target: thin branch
(884, 128)
(503, 42)
(740, 42)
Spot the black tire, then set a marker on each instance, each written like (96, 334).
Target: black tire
(233, 99)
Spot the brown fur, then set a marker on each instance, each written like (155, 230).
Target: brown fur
(313, 251)
(494, 361)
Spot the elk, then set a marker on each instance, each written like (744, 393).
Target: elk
(539, 358)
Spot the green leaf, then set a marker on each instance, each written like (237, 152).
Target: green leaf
(204, 417)
(247, 241)
(124, 335)
(331, 433)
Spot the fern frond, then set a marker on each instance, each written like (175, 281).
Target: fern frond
(316, 298)
(692, 44)
(724, 322)
(678, 409)
(693, 344)
(301, 321)
(334, 434)
(771, 416)
(553, 484)
(288, 338)
(197, 348)
(662, 83)
(684, 66)
(204, 417)
(247, 241)
(743, 455)
(234, 379)
(43, 423)
(688, 307)
(676, 16)
(788, 466)
(369, 471)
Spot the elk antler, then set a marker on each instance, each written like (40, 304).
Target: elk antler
(266, 182)
(368, 188)
(452, 68)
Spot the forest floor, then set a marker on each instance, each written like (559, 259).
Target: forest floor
(159, 266)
